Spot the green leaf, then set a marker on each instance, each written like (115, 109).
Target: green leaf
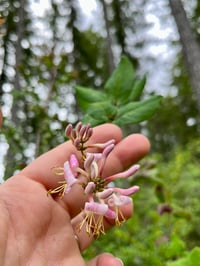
(86, 96)
(180, 262)
(102, 111)
(190, 259)
(194, 257)
(89, 119)
(136, 112)
(150, 102)
(120, 84)
(137, 89)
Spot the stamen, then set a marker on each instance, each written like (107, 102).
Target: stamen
(58, 170)
(60, 190)
(94, 225)
(119, 216)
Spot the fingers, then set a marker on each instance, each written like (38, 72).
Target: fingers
(105, 259)
(127, 152)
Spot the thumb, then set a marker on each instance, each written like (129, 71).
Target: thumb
(105, 259)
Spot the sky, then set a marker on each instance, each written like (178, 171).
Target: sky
(88, 8)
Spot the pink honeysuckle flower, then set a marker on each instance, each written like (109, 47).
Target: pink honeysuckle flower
(103, 201)
(107, 150)
(89, 189)
(111, 197)
(98, 208)
(99, 158)
(94, 218)
(87, 163)
(127, 191)
(69, 176)
(94, 171)
(102, 145)
(97, 155)
(116, 201)
(105, 154)
(104, 194)
(119, 200)
(132, 170)
(74, 164)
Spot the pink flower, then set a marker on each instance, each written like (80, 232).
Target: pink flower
(74, 164)
(132, 170)
(103, 201)
(69, 176)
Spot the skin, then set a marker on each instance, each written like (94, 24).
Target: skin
(37, 229)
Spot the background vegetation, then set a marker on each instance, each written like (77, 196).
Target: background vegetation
(50, 55)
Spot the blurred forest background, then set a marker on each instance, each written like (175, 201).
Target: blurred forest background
(48, 46)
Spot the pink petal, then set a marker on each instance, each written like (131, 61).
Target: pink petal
(74, 164)
(89, 188)
(103, 145)
(98, 208)
(88, 161)
(124, 174)
(105, 154)
(127, 191)
(119, 200)
(97, 156)
(68, 174)
(108, 149)
(105, 194)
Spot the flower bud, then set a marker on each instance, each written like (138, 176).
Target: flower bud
(124, 174)
(68, 130)
(89, 188)
(78, 126)
(127, 191)
(105, 194)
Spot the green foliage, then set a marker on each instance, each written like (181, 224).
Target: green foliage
(92, 96)
(120, 101)
(192, 258)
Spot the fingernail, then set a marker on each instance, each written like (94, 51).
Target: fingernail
(121, 262)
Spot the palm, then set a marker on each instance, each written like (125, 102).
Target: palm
(42, 228)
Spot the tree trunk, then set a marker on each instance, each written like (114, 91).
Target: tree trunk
(190, 46)
(10, 161)
(108, 39)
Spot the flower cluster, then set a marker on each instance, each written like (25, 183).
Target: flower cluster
(104, 199)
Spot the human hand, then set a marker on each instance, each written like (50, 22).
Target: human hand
(40, 230)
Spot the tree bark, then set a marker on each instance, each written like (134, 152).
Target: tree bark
(10, 163)
(108, 38)
(190, 46)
